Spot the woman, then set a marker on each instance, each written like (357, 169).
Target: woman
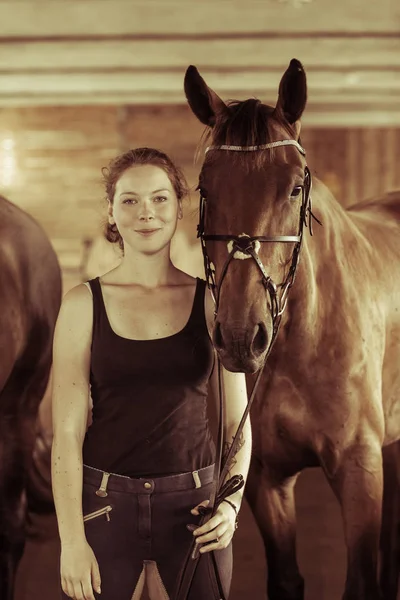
(127, 489)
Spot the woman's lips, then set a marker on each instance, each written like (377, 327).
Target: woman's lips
(147, 232)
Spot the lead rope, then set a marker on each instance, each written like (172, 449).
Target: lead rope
(222, 490)
(192, 557)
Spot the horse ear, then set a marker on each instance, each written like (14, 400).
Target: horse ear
(292, 96)
(203, 101)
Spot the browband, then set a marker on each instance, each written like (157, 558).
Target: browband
(263, 147)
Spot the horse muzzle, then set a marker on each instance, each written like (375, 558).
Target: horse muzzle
(241, 349)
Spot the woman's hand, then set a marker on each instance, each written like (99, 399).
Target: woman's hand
(80, 573)
(218, 530)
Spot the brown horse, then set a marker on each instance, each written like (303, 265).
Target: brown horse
(330, 391)
(30, 297)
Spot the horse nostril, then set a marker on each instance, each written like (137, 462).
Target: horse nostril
(260, 340)
(218, 341)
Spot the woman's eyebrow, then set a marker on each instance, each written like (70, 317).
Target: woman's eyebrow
(154, 192)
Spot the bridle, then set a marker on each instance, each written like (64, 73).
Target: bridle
(242, 246)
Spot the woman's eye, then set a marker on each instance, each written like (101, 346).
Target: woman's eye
(129, 201)
(160, 199)
(296, 191)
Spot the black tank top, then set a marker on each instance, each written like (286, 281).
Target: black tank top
(149, 397)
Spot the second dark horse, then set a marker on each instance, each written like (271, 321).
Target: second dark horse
(30, 297)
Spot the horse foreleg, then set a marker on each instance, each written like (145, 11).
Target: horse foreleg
(357, 482)
(390, 533)
(13, 507)
(272, 504)
(17, 436)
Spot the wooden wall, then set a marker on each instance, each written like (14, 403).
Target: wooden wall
(51, 159)
(118, 52)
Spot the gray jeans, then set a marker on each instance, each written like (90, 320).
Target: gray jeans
(137, 530)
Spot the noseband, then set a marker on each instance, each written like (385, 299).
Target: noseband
(242, 246)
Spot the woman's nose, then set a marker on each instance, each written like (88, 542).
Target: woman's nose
(146, 212)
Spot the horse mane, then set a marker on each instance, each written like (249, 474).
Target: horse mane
(245, 123)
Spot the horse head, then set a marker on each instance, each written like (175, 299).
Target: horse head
(254, 186)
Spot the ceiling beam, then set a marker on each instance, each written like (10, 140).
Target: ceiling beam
(271, 53)
(29, 19)
(136, 82)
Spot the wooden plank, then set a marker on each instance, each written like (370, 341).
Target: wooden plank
(332, 98)
(370, 181)
(352, 176)
(353, 118)
(274, 52)
(316, 115)
(190, 17)
(390, 160)
(223, 82)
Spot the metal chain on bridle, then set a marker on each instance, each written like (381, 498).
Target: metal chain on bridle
(243, 246)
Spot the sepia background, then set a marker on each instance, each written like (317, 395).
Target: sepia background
(82, 80)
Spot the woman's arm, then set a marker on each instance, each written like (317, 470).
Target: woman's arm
(71, 356)
(71, 365)
(218, 531)
(235, 394)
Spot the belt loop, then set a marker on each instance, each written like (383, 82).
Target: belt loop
(102, 491)
(196, 479)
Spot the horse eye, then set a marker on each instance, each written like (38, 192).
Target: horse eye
(296, 191)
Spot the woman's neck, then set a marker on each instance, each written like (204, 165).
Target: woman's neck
(147, 270)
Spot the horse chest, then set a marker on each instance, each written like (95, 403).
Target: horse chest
(279, 420)
(289, 432)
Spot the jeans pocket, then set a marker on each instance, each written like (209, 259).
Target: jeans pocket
(105, 511)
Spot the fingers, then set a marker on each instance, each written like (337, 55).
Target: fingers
(96, 579)
(195, 510)
(77, 589)
(216, 533)
(87, 590)
(80, 576)
(67, 588)
(212, 524)
(219, 543)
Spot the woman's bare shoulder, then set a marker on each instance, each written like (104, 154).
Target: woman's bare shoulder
(79, 294)
(76, 306)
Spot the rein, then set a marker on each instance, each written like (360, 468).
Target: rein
(240, 247)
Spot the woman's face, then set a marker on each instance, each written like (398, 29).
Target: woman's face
(145, 208)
